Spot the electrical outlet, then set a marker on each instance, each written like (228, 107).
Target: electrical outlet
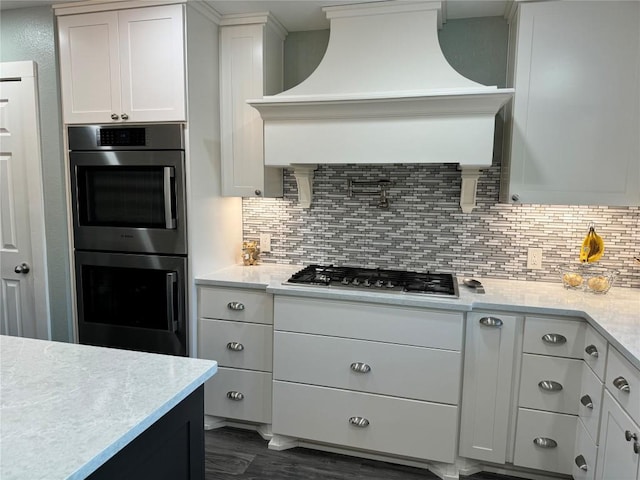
(265, 242)
(534, 258)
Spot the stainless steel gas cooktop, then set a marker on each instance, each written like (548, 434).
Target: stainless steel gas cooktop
(375, 279)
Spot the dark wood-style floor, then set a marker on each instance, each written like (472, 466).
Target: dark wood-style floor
(235, 454)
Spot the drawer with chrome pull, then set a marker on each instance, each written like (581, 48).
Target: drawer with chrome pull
(550, 383)
(590, 403)
(595, 352)
(545, 441)
(236, 344)
(376, 423)
(556, 337)
(623, 381)
(239, 394)
(584, 462)
(243, 305)
(375, 367)
(385, 323)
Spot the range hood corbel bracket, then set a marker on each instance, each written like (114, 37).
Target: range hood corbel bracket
(304, 179)
(468, 187)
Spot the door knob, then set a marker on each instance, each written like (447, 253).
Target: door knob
(22, 268)
(124, 116)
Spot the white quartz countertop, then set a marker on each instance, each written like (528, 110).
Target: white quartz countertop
(616, 314)
(65, 409)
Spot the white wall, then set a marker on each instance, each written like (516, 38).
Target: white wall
(29, 34)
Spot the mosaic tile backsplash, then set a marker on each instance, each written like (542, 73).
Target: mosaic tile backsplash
(424, 228)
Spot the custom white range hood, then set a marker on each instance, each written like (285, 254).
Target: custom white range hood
(383, 93)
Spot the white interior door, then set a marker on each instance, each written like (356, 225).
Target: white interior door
(24, 307)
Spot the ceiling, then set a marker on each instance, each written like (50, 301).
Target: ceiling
(297, 15)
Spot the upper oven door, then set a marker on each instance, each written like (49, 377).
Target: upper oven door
(129, 201)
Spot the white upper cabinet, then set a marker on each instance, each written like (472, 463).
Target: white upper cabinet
(574, 138)
(123, 66)
(251, 65)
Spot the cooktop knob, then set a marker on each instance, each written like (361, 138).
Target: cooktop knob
(355, 282)
(389, 284)
(366, 283)
(345, 281)
(378, 283)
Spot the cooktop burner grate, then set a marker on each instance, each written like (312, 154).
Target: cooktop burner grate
(437, 284)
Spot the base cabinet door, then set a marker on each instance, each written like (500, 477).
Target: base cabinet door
(584, 463)
(487, 390)
(619, 450)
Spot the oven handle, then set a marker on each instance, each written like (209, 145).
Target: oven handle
(172, 282)
(169, 218)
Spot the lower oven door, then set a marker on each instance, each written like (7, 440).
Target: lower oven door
(135, 302)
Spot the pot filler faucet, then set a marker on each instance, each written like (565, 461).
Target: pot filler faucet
(353, 189)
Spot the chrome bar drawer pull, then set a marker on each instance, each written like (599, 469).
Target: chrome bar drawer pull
(554, 339)
(630, 436)
(359, 422)
(621, 384)
(490, 322)
(581, 463)
(544, 442)
(235, 396)
(235, 306)
(550, 385)
(586, 401)
(592, 350)
(360, 367)
(235, 346)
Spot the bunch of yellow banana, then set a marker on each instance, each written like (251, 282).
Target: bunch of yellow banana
(592, 247)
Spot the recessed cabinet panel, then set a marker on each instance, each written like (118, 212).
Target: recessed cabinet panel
(251, 65)
(374, 367)
(89, 66)
(616, 456)
(152, 53)
(371, 422)
(487, 386)
(575, 122)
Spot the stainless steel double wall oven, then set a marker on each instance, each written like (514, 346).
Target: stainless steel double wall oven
(130, 236)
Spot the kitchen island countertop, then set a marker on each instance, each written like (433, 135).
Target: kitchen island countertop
(616, 314)
(66, 408)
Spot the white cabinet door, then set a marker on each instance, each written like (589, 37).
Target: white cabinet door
(251, 65)
(487, 386)
(576, 109)
(123, 66)
(616, 456)
(89, 67)
(152, 64)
